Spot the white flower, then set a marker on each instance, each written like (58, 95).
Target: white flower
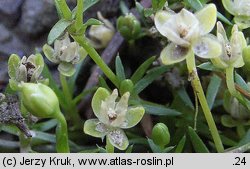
(231, 50)
(188, 33)
(240, 9)
(237, 7)
(66, 54)
(112, 117)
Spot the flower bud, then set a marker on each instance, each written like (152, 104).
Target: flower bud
(101, 35)
(126, 86)
(27, 69)
(129, 27)
(39, 100)
(160, 134)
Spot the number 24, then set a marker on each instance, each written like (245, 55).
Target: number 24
(240, 161)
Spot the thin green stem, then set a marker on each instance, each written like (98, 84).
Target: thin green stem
(79, 14)
(71, 108)
(231, 86)
(97, 59)
(202, 99)
(196, 110)
(63, 9)
(65, 87)
(230, 81)
(62, 145)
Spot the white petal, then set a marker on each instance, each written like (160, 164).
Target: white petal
(95, 128)
(187, 25)
(173, 54)
(221, 33)
(207, 47)
(207, 18)
(122, 105)
(236, 50)
(229, 5)
(121, 110)
(168, 27)
(118, 139)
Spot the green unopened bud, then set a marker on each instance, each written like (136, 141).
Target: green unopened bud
(101, 35)
(161, 135)
(40, 100)
(126, 86)
(129, 27)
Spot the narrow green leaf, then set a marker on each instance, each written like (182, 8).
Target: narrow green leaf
(180, 145)
(197, 143)
(101, 150)
(240, 81)
(185, 98)
(149, 78)
(208, 66)
(159, 110)
(124, 8)
(223, 18)
(158, 4)
(83, 94)
(212, 90)
(92, 21)
(51, 138)
(45, 126)
(89, 3)
(139, 7)
(168, 149)
(228, 141)
(103, 83)
(142, 69)
(6, 144)
(119, 69)
(195, 4)
(154, 147)
(148, 12)
(57, 30)
(130, 149)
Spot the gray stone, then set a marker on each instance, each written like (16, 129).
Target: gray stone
(37, 17)
(9, 43)
(3, 73)
(10, 11)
